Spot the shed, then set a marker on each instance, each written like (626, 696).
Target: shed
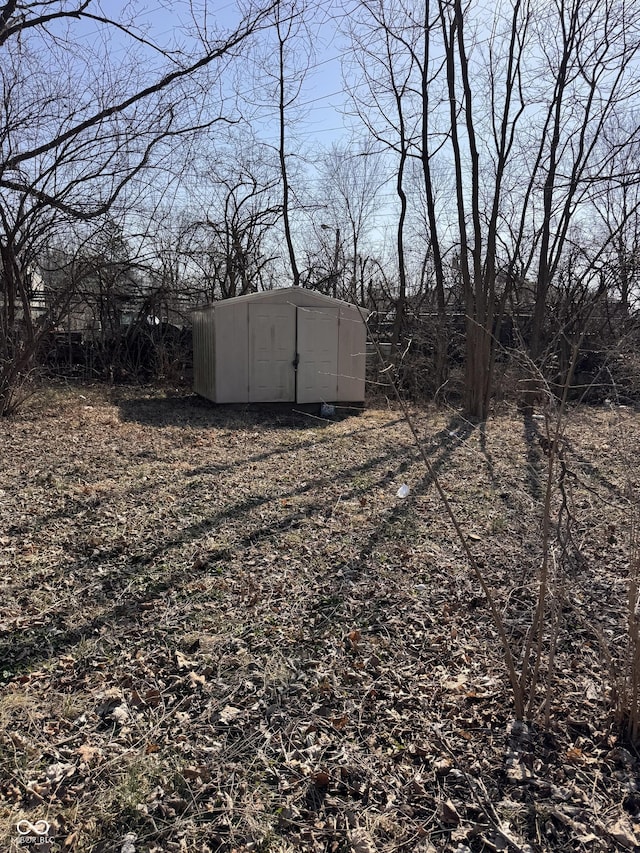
(280, 346)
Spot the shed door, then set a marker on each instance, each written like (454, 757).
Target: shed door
(272, 351)
(317, 375)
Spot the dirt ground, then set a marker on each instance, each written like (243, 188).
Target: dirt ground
(222, 630)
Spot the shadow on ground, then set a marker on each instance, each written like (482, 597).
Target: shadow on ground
(130, 577)
(192, 410)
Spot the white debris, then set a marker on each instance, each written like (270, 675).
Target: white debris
(129, 843)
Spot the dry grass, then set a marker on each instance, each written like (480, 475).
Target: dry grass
(221, 630)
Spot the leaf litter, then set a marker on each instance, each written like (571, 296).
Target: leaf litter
(243, 629)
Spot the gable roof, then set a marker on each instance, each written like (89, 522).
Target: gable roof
(302, 294)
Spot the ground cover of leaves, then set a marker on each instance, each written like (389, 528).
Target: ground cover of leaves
(221, 629)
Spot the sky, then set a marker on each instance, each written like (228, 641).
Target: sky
(320, 115)
(318, 118)
(322, 101)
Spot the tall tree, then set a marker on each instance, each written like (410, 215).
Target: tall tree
(385, 106)
(280, 71)
(529, 90)
(350, 184)
(590, 52)
(80, 126)
(242, 207)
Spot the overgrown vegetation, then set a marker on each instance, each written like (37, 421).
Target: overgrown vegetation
(222, 629)
(491, 198)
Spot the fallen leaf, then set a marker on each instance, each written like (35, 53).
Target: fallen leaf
(152, 697)
(183, 661)
(574, 754)
(448, 813)
(622, 832)
(129, 843)
(354, 637)
(442, 766)
(87, 752)
(59, 771)
(321, 779)
(120, 714)
(197, 680)
(229, 714)
(361, 842)
(193, 773)
(456, 685)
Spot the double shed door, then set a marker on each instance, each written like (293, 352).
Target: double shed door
(293, 353)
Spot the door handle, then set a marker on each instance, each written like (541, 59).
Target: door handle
(296, 361)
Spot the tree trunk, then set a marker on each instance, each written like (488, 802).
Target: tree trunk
(477, 367)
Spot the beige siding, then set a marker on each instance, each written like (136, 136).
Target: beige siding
(272, 350)
(232, 352)
(204, 357)
(317, 375)
(239, 358)
(352, 348)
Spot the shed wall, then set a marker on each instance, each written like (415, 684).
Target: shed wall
(317, 347)
(223, 353)
(232, 352)
(352, 348)
(204, 354)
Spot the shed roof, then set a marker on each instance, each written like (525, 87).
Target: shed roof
(265, 295)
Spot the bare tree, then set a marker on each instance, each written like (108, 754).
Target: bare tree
(590, 53)
(617, 212)
(280, 71)
(383, 52)
(79, 130)
(350, 184)
(235, 204)
(528, 93)
(479, 180)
